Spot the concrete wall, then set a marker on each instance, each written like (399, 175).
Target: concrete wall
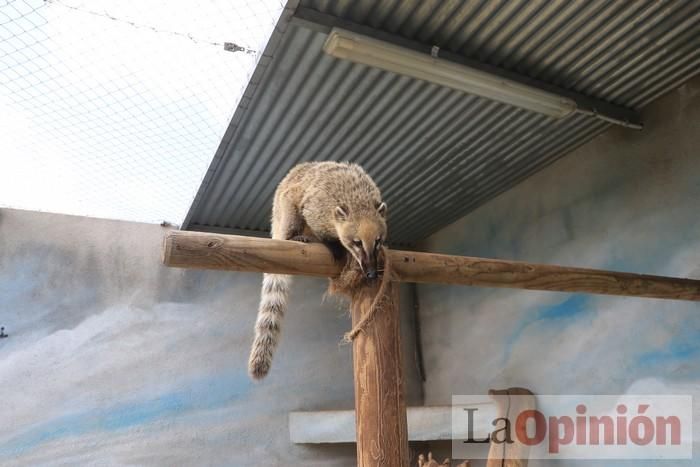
(626, 201)
(113, 359)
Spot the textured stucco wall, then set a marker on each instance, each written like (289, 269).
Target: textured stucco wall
(113, 359)
(626, 201)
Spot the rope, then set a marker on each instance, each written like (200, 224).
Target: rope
(377, 304)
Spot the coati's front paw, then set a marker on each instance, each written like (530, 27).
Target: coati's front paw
(302, 238)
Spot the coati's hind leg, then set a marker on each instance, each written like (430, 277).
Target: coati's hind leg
(287, 221)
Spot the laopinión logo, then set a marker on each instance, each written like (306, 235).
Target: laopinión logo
(573, 426)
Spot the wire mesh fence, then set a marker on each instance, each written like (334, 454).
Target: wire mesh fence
(114, 108)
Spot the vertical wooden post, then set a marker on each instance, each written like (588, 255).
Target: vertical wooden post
(380, 408)
(510, 403)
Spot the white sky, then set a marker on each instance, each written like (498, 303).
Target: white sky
(102, 118)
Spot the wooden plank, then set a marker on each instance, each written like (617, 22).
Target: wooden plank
(239, 253)
(380, 408)
(432, 423)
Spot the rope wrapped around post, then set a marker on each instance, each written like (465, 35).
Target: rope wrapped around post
(351, 279)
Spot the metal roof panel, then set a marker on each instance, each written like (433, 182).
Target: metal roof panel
(437, 153)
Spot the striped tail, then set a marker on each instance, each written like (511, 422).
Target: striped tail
(273, 303)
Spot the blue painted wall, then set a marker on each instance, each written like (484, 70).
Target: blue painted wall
(627, 201)
(113, 359)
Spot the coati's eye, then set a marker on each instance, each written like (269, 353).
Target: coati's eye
(357, 243)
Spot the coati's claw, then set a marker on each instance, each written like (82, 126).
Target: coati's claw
(302, 239)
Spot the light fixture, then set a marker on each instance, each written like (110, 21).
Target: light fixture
(380, 54)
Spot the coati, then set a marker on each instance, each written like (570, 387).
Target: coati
(331, 202)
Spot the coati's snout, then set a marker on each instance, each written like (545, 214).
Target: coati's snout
(369, 264)
(363, 234)
(365, 254)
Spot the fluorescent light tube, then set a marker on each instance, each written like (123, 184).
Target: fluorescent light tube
(379, 54)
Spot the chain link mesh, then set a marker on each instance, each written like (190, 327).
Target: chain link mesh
(114, 108)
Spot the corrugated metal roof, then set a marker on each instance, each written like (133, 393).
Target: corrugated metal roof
(436, 153)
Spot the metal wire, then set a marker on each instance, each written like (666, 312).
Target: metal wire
(230, 46)
(114, 108)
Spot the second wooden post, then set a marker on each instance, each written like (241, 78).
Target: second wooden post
(380, 407)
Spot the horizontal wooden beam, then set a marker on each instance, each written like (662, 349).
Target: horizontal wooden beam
(237, 253)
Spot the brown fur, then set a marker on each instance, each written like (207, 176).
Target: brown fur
(335, 203)
(308, 196)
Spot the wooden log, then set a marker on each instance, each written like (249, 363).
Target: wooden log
(510, 403)
(239, 253)
(201, 250)
(380, 408)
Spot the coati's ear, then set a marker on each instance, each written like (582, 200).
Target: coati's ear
(341, 214)
(381, 209)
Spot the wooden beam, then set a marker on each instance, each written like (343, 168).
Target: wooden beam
(380, 408)
(237, 253)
